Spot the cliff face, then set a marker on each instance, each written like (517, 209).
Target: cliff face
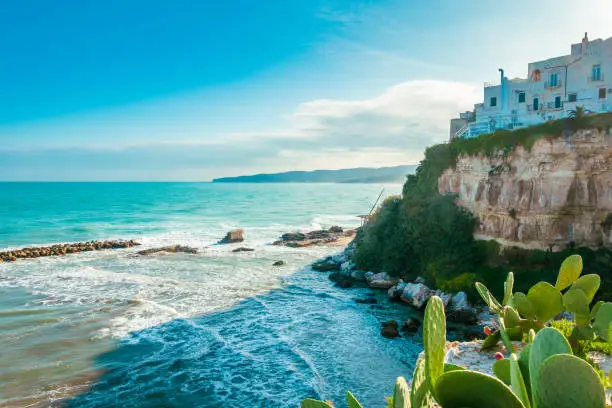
(558, 192)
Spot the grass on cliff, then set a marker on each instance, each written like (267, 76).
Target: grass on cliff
(425, 234)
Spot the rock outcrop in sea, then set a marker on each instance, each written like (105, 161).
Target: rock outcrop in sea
(233, 237)
(320, 237)
(169, 249)
(64, 249)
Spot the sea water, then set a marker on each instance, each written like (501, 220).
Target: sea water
(215, 329)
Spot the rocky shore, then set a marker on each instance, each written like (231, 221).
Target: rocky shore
(466, 319)
(63, 249)
(320, 237)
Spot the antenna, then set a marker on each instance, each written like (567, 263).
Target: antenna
(374, 206)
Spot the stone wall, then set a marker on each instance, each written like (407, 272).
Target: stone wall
(559, 191)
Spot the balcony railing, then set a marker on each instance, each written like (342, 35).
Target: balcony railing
(553, 85)
(596, 78)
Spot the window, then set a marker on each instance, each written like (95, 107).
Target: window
(554, 80)
(536, 76)
(572, 97)
(557, 102)
(493, 101)
(521, 97)
(536, 104)
(596, 72)
(602, 93)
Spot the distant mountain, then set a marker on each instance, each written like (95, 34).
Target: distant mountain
(395, 174)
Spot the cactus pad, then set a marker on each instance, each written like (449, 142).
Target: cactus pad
(576, 301)
(567, 381)
(471, 389)
(352, 401)
(508, 286)
(420, 395)
(589, 284)
(603, 318)
(434, 339)
(547, 342)
(501, 369)
(511, 317)
(546, 300)
(570, 270)
(312, 403)
(489, 299)
(523, 305)
(517, 383)
(401, 394)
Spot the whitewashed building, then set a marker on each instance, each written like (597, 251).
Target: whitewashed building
(553, 88)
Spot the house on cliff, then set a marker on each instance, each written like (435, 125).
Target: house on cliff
(553, 87)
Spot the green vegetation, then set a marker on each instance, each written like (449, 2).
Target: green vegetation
(425, 234)
(544, 374)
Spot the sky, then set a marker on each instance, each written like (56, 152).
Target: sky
(191, 90)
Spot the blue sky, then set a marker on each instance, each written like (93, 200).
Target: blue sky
(191, 90)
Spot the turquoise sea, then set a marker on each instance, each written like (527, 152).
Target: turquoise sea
(216, 329)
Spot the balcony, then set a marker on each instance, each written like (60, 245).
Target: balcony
(553, 84)
(596, 78)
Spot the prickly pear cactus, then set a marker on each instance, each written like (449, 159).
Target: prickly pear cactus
(547, 342)
(576, 301)
(566, 381)
(508, 286)
(603, 319)
(312, 403)
(420, 394)
(401, 394)
(488, 298)
(546, 300)
(491, 340)
(570, 270)
(523, 305)
(471, 389)
(352, 401)
(523, 361)
(501, 369)
(511, 317)
(589, 284)
(434, 339)
(517, 382)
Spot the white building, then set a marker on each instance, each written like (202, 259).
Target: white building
(553, 88)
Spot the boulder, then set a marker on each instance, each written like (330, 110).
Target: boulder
(420, 279)
(279, 263)
(395, 292)
(336, 230)
(233, 236)
(389, 329)
(357, 275)
(459, 302)
(462, 316)
(344, 283)
(411, 325)
(347, 266)
(380, 280)
(416, 294)
(293, 236)
(326, 265)
(445, 297)
(243, 249)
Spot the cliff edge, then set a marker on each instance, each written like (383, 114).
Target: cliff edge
(556, 193)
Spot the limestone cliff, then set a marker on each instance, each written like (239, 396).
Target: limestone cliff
(557, 192)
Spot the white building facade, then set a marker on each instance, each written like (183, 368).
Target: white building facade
(552, 89)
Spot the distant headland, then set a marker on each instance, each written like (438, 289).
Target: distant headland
(396, 174)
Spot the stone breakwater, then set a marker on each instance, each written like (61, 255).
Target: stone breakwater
(63, 249)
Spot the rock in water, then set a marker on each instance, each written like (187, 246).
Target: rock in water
(368, 300)
(389, 329)
(279, 263)
(170, 249)
(411, 325)
(243, 249)
(233, 236)
(336, 230)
